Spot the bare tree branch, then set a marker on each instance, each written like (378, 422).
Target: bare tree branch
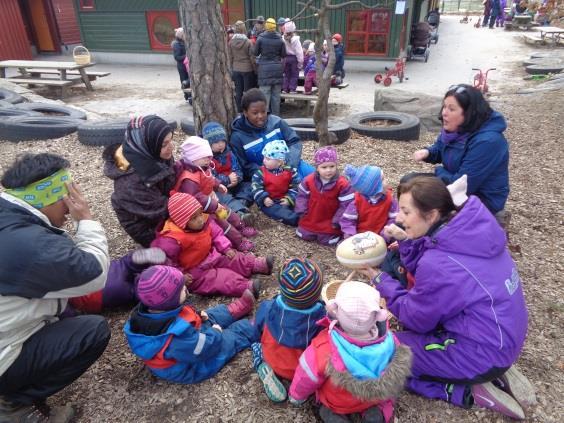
(306, 5)
(315, 15)
(348, 3)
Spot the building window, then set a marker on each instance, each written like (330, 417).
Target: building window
(161, 26)
(87, 5)
(233, 11)
(368, 32)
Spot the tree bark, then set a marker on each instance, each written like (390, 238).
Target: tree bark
(210, 73)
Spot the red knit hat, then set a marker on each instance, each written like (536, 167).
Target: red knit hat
(181, 208)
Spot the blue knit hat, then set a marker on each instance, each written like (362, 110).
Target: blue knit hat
(213, 132)
(367, 180)
(300, 282)
(276, 149)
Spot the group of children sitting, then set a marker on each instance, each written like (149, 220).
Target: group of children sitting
(343, 351)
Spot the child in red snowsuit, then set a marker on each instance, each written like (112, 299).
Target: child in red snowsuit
(322, 198)
(197, 246)
(197, 179)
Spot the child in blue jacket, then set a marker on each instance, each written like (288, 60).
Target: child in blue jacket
(176, 342)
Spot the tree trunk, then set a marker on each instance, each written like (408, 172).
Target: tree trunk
(210, 73)
(323, 76)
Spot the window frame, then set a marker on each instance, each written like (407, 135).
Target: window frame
(226, 11)
(366, 33)
(84, 8)
(151, 16)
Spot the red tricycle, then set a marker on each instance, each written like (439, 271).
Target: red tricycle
(398, 70)
(481, 80)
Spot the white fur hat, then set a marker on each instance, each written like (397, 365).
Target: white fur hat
(290, 26)
(458, 190)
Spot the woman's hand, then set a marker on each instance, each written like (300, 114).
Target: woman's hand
(394, 231)
(421, 155)
(268, 202)
(77, 204)
(369, 272)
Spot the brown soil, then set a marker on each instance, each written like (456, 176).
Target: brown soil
(118, 389)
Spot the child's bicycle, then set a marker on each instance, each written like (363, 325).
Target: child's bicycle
(481, 80)
(398, 70)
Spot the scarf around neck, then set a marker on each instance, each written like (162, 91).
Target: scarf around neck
(453, 137)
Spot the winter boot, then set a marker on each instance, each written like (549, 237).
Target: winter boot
(41, 412)
(256, 288)
(247, 218)
(328, 416)
(263, 265)
(248, 231)
(246, 246)
(373, 415)
(242, 305)
(518, 386)
(486, 395)
(151, 255)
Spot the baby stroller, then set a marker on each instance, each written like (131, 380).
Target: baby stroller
(433, 19)
(419, 42)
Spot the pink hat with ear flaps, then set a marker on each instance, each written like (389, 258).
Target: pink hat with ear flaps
(357, 308)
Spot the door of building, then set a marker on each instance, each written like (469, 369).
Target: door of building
(45, 41)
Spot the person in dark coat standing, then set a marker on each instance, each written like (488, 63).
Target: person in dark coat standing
(179, 53)
(270, 50)
(143, 172)
(242, 62)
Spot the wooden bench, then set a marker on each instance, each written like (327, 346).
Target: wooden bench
(92, 75)
(63, 84)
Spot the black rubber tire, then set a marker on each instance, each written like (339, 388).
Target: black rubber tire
(10, 96)
(107, 132)
(408, 128)
(7, 112)
(25, 128)
(544, 69)
(47, 108)
(427, 55)
(544, 61)
(6, 104)
(547, 54)
(305, 128)
(188, 126)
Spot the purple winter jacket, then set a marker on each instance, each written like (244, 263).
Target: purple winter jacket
(466, 283)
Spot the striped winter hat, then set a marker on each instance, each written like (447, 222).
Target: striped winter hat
(159, 287)
(367, 180)
(181, 208)
(300, 282)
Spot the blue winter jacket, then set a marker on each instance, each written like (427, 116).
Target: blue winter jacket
(222, 159)
(291, 327)
(339, 60)
(484, 157)
(247, 142)
(194, 350)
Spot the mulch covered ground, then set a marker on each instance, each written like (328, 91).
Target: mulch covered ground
(118, 389)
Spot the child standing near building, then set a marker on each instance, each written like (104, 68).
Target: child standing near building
(322, 199)
(197, 179)
(310, 71)
(197, 246)
(339, 69)
(275, 184)
(355, 364)
(373, 206)
(178, 343)
(294, 59)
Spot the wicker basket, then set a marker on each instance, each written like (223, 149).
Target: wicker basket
(81, 55)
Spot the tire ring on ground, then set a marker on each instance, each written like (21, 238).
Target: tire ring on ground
(407, 129)
(6, 112)
(6, 104)
(188, 126)
(107, 132)
(544, 61)
(547, 54)
(24, 128)
(544, 69)
(10, 96)
(305, 128)
(47, 108)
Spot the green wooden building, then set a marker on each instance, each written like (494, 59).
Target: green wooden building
(124, 29)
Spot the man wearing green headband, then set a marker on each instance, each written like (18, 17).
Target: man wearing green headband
(40, 268)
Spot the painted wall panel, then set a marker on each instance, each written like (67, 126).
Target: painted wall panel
(115, 32)
(65, 15)
(14, 43)
(135, 5)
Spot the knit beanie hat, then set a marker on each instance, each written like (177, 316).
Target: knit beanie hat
(357, 308)
(325, 155)
(159, 287)
(290, 26)
(181, 208)
(195, 148)
(276, 149)
(214, 132)
(300, 282)
(367, 180)
(282, 21)
(270, 25)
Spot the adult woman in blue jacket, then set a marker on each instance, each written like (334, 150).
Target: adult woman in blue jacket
(471, 143)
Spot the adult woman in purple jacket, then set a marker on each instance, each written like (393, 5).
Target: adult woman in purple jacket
(465, 318)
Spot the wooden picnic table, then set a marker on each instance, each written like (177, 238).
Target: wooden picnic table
(552, 32)
(66, 73)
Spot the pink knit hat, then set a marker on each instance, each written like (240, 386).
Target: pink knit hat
(357, 308)
(181, 208)
(195, 148)
(325, 155)
(159, 287)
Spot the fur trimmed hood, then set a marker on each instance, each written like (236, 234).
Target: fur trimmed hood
(389, 385)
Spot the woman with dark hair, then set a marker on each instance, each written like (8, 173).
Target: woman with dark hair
(143, 172)
(465, 317)
(471, 143)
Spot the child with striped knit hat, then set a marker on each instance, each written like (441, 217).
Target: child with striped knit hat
(374, 205)
(196, 245)
(287, 324)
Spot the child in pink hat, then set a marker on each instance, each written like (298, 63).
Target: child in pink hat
(355, 365)
(323, 196)
(197, 179)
